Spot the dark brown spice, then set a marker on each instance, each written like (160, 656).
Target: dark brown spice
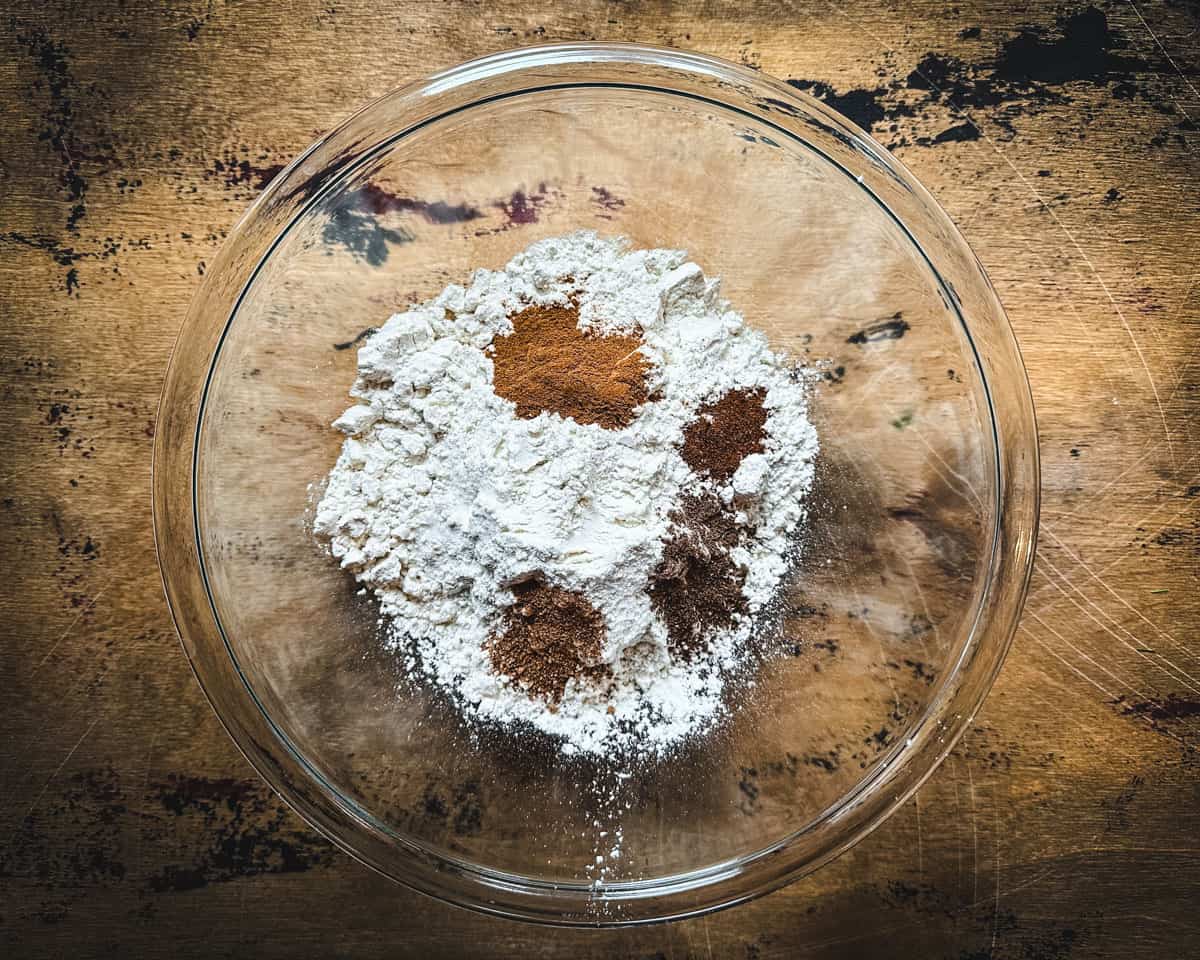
(697, 587)
(547, 364)
(551, 635)
(725, 432)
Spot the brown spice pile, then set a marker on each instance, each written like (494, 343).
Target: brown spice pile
(698, 587)
(548, 364)
(725, 432)
(551, 635)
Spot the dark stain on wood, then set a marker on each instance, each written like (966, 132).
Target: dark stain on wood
(347, 344)
(377, 200)
(893, 328)
(1170, 708)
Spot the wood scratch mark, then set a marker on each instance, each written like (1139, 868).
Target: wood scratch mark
(958, 850)
(1166, 666)
(1090, 336)
(1195, 348)
(1162, 413)
(1158, 728)
(920, 851)
(1103, 669)
(1121, 600)
(1170, 922)
(134, 365)
(50, 780)
(85, 681)
(1183, 369)
(1070, 666)
(1030, 881)
(1137, 525)
(1170, 59)
(139, 848)
(996, 910)
(1146, 519)
(83, 611)
(974, 497)
(1088, 730)
(38, 464)
(974, 834)
(1095, 497)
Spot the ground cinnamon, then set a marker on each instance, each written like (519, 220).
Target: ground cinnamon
(551, 635)
(725, 432)
(547, 364)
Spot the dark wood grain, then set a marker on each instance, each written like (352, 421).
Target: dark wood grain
(1063, 140)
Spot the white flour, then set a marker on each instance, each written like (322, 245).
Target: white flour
(442, 496)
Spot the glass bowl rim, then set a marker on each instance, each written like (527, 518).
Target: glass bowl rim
(712, 886)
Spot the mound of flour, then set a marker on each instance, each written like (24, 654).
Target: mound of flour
(442, 498)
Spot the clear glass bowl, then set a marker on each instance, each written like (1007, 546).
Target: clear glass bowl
(923, 520)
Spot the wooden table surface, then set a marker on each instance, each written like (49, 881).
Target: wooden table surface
(1063, 140)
